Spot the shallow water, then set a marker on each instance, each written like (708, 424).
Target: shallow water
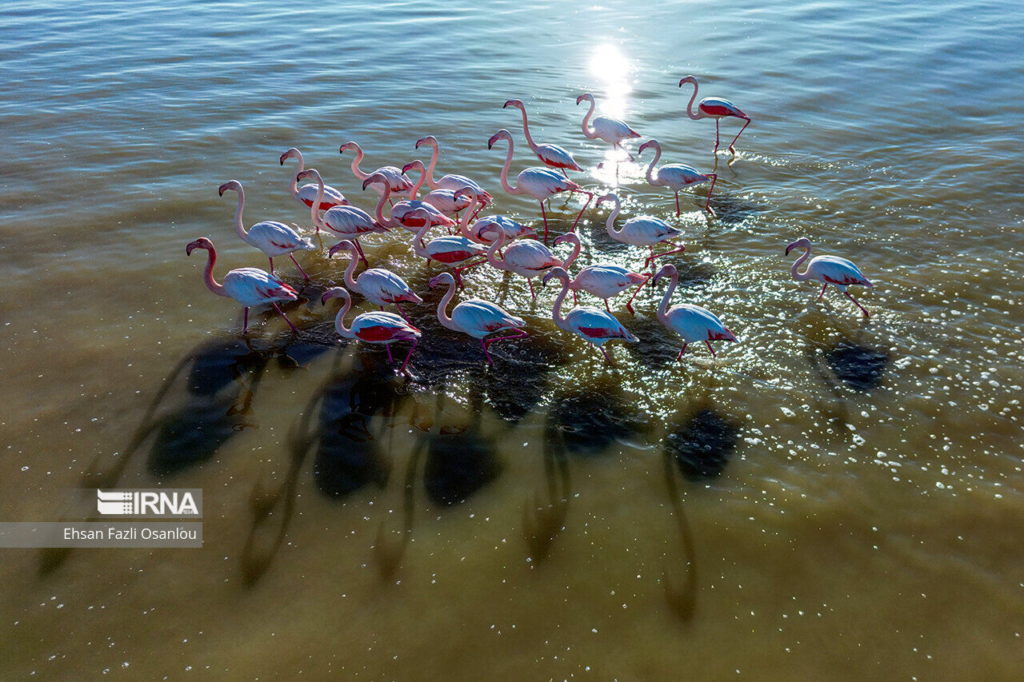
(831, 497)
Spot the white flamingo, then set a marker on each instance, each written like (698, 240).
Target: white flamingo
(347, 222)
(676, 176)
(529, 258)
(378, 286)
(408, 213)
(550, 154)
(590, 324)
(476, 317)
(485, 230)
(307, 193)
(611, 130)
(374, 326)
(716, 108)
(642, 230)
(451, 250)
(606, 280)
(691, 322)
(396, 179)
(269, 236)
(451, 181)
(444, 200)
(838, 272)
(248, 286)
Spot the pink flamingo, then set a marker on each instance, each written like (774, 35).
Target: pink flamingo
(838, 272)
(642, 230)
(451, 251)
(269, 236)
(444, 200)
(307, 194)
(347, 222)
(539, 183)
(396, 179)
(378, 286)
(475, 317)
(485, 230)
(590, 324)
(716, 108)
(248, 286)
(606, 280)
(409, 213)
(551, 154)
(529, 258)
(450, 181)
(676, 176)
(373, 326)
(691, 322)
(611, 130)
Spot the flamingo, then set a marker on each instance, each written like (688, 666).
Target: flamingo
(641, 230)
(607, 280)
(716, 108)
(551, 154)
(446, 250)
(476, 317)
(539, 183)
(611, 130)
(443, 200)
(529, 258)
(307, 194)
(396, 179)
(373, 326)
(248, 286)
(348, 222)
(676, 176)
(691, 322)
(269, 236)
(838, 272)
(408, 213)
(450, 181)
(378, 286)
(489, 224)
(590, 324)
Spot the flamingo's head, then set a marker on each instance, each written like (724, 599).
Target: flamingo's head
(343, 244)
(645, 145)
(585, 97)
(375, 179)
(308, 173)
(606, 197)
(425, 214)
(292, 153)
(500, 135)
(802, 243)
(467, 193)
(230, 184)
(444, 278)
(569, 237)
(333, 292)
(429, 139)
(687, 79)
(518, 104)
(201, 243)
(417, 164)
(667, 271)
(349, 146)
(555, 273)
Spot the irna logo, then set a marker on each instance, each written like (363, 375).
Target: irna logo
(149, 502)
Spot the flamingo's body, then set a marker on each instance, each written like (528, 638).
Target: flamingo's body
(269, 236)
(676, 176)
(451, 181)
(838, 272)
(606, 280)
(444, 200)
(529, 258)
(476, 317)
(373, 327)
(693, 323)
(451, 250)
(539, 183)
(380, 287)
(248, 286)
(486, 229)
(611, 130)
(307, 193)
(347, 222)
(409, 214)
(716, 108)
(642, 230)
(550, 154)
(590, 324)
(396, 179)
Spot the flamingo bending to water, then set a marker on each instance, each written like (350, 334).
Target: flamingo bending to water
(444, 200)
(529, 258)
(451, 250)
(450, 181)
(378, 286)
(408, 213)
(607, 280)
(716, 108)
(676, 176)
(248, 286)
(641, 230)
(307, 193)
(590, 324)
(838, 272)
(373, 326)
(539, 183)
(486, 229)
(611, 130)
(347, 222)
(476, 317)
(396, 179)
(551, 154)
(269, 236)
(691, 322)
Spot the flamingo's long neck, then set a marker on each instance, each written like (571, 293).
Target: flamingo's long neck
(504, 172)
(294, 189)
(355, 164)
(470, 210)
(663, 308)
(442, 314)
(492, 251)
(654, 161)
(689, 107)
(350, 270)
(586, 119)
(609, 226)
(239, 227)
(430, 169)
(556, 312)
(379, 211)
(212, 284)
(801, 276)
(414, 192)
(339, 321)
(314, 208)
(567, 263)
(418, 247)
(526, 132)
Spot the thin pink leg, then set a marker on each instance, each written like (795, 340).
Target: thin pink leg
(406, 363)
(716, 135)
(681, 351)
(520, 334)
(677, 203)
(292, 256)
(545, 217)
(629, 303)
(271, 266)
(245, 320)
(402, 312)
(294, 328)
(732, 148)
(484, 345)
(457, 272)
(359, 248)
(390, 358)
(824, 286)
(707, 204)
(668, 253)
(574, 301)
(530, 282)
(590, 198)
(710, 348)
(862, 308)
(606, 306)
(606, 356)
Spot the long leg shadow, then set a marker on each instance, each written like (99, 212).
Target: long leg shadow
(680, 593)
(543, 520)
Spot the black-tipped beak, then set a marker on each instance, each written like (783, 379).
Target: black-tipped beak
(366, 183)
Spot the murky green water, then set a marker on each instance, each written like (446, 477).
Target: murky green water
(831, 498)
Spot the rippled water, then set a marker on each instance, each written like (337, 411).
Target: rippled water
(832, 497)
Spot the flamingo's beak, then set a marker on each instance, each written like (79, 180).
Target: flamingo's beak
(788, 249)
(325, 297)
(189, 249)
(367, 182)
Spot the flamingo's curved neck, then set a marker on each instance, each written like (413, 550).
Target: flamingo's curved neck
(350, 270)
(379, 211)
(663, 308)
(339, 321)
(294, 189)
(314, 208)
(442, 315)
(526, 132)
(492, 251)
(362, 175)
(689, 107)
(556, 312)
(504, 172)
(212, 284)
(801, 276)
(414, 192)
(567, 263)
(586, 119)
(239, 227)
(470, 210)
(418, 247)
(650, 169)
(610, 225)
(429, 173)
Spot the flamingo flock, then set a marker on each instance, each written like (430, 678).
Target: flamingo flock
(454, 203)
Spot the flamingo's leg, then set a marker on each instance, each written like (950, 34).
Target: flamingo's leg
(271, 266)
(484, 345)
(529, 281)
(406, 363)
(520, 334)
(862, 308)
(668, 253)
(606, 306)
(590, 197)
(823, 287)
(362, 256)
(402, 312)
(606, 356)
(294, 328)
(710, 348)
(682, 350)
(245, 320)
(390, 358)
(677, 203)
(707, 204)
(574, 300)
(292, 256)
(716, 135)
(732, 148)
(564, 173)
(629, 303)
(545, 217)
